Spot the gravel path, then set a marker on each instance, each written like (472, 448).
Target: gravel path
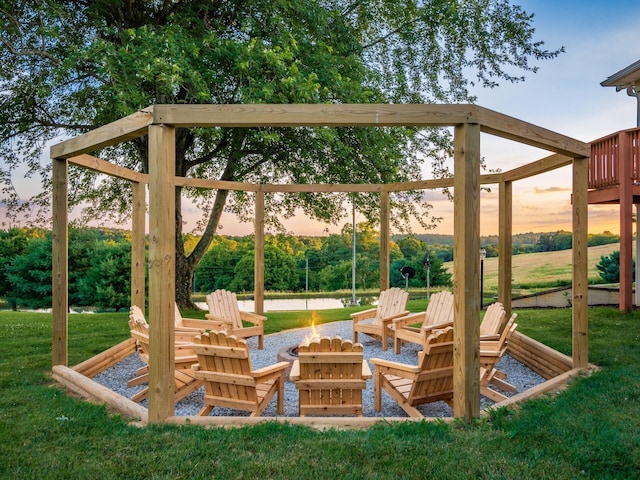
(517, 374)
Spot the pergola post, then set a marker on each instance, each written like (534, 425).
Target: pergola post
(625, 166)
(258, 273)
(505, 225)
(580, 324)
(384, 240)
(466, 272)
(60, 264)
(162, 271)
(137, 244)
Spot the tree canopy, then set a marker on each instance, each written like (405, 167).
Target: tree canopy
(69, 66)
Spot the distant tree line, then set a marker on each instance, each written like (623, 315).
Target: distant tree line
(442, 245)
(99, 264)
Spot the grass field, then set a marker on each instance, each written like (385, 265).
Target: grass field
(532, 272)
(591, 430)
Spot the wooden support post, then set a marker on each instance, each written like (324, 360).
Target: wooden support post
(137, 245)
(505, 253)
(626, 213)
(162, 273)
(384, 240)
(466, 272)
(60, 265)
(580, 266)
(258, 274)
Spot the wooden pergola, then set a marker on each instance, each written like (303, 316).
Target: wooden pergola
(159, 123)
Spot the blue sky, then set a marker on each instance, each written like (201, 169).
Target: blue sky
(600, 38)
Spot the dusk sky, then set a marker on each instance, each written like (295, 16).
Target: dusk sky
(600, 38)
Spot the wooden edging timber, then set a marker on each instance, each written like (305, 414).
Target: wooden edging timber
(92, 390)
(540, 358)
(107, 359)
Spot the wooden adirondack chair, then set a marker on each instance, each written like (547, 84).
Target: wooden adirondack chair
(224, 366)
(493, 322)
(439, 314)
(491, 351)
(186, 381)
(330, 375)
(223, 309)
(429, 381)
(375, 321)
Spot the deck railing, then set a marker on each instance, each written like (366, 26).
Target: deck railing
(611, 154)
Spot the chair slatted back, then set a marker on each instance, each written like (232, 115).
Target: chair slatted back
(439, 309)
(391, 302)
(225, 367)
(436, 364)
(493, 320)
(331, 377)
(224, 304)
(139, 332)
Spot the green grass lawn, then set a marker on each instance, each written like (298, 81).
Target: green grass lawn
(591, 430)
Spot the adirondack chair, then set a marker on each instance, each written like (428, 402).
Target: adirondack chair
(429, 381)
(491, 351)
(224, 366)
(223, 309)
(330, 375)
(493, 322)
(186, 381)
(439, 314)
(375, 321)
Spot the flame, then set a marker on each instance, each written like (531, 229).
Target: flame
(315, 336)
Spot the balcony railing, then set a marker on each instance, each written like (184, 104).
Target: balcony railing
(612, 155)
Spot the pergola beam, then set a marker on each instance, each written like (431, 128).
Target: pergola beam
(107, 168)
(126, 128)
(313, 115)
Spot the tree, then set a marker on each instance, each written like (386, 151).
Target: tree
(609, 267)
(69, 66)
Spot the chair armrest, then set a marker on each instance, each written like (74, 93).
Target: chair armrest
(391, 318)
(194, 323)
(395, 366)
(363, 315)
(409, 319)
(437, 326)
(269, 371)
(489, 337)
(218, 320)
(252, 318)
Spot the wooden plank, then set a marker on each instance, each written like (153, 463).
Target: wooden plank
(216, 184)
(511, 128)
(81, 385)
(580, 289)
(161, 272)
(138, 266)
(127, 128)
(309, 115)
(108, 358)
(385, 215)
(108, 168)
(466, 272)
(505, 253)
(60, 267)
(543, 165)
(258, 275)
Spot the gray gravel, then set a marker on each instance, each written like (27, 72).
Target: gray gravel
(517, 374)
